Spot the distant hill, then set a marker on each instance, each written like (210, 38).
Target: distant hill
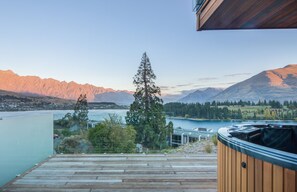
(120, 97)
(278, 84)
(33, 85)
(10, 101)
(167, 98)
(201, 95)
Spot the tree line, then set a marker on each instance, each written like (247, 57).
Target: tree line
(201, 111)
(262, 110)
(271, 103)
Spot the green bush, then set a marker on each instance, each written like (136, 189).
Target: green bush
(65, 122)
(66, 132)
(111, 136)
(74, 144)
(56, 132)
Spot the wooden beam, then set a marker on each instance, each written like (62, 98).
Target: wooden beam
(248, 14)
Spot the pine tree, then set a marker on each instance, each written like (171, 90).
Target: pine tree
(81, 111)
(146, 113)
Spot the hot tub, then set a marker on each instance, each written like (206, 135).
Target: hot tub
(257, 158)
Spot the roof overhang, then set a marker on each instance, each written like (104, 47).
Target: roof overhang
(246, 14)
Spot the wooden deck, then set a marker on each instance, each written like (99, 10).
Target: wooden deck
(94, 173)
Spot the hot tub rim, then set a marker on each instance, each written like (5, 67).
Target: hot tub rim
(274, 156)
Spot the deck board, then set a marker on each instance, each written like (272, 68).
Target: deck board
(120, 172)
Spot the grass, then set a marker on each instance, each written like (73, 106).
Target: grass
(208, 148)
(214, 139)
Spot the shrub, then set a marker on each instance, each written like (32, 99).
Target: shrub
(214, 139)
(111, 136)
(208, 148)
(74, 144)
(56, 131)
(66, 132)
(65, 122)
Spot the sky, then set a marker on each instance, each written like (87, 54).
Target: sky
(101, 42)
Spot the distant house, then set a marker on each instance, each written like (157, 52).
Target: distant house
(92, 123)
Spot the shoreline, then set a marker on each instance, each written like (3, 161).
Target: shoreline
(199, 119)
(41, 110)
(230, 120)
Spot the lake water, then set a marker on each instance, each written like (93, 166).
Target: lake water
(100, 115)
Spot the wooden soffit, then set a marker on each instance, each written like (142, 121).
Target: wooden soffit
(247, 14)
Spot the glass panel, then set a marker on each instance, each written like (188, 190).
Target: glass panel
(26, 140)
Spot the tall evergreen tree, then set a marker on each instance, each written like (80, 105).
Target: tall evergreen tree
(81, 111)
(146, 113)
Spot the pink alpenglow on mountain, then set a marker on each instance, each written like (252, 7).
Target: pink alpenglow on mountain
(278, 84)
(10, 81)
(283, 77)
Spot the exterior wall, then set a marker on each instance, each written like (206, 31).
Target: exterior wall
(258, 175)
(25, 140)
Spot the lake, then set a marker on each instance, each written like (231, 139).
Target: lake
(100, 115)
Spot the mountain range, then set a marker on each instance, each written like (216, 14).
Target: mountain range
(201, 95)
(33, 85)
(278, 84)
